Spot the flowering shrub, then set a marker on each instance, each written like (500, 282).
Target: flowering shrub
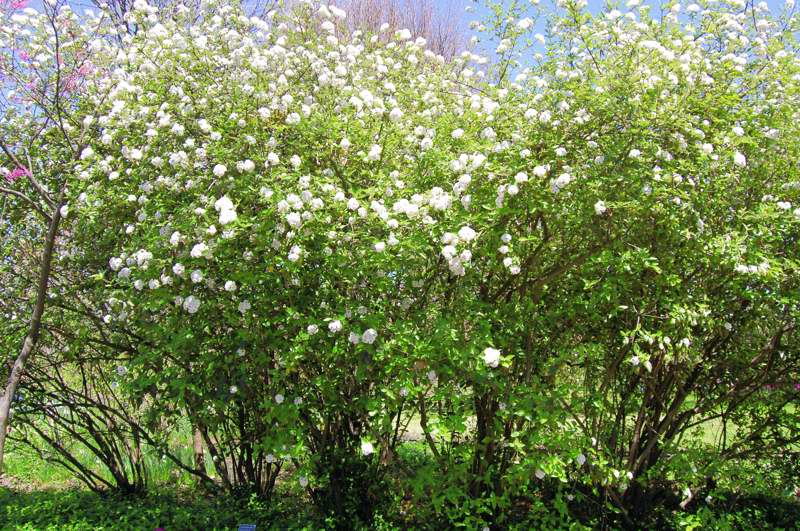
(318, 238)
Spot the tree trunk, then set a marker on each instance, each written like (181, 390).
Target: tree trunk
(199, 453)
(32, 337)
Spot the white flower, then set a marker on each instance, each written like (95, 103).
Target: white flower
(367, 448)
(233, 390)
(191, 304)
(600, 208)
(374, 153)
(303, 481)
(369, 336)
(396, 115)
(178, 269)
(293, 219)
(380, 247)
(739, 159)
(115, 263)
(312, 329)
(227, 216)
(403, 34)
(635, 154)
(540, 473)
(219, 170)
(199, 250)
(354, 338)
(279, 398)
(458, 133)
(196, 276)
(230, 285)
(335, 326)
(581, 459)
(432, 377)
(466, 233)
(491, 357)
(244, 306)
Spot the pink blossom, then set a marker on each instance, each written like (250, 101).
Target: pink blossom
(16, 173)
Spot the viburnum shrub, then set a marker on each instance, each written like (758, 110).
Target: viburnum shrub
(557, 266)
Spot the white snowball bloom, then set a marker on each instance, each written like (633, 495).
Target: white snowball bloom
(458, 133)
(581, 459)
(293, 219)
(369, 336)
(380, 247)
(191, 304)
(403, 34)
(335, 326)
(739, 159)
(219, 170)
(199, 250)
(303, 481)
(354, 338)
(367, 448)
(244, 307)
(396, 115)
(230, 285)
(539, 473)
(600, 208)
(466, 233)
(196, 276)
(374, 153)
(540, 171)
(491, 357)
(279, 398)
(312, 329)
(227, 216)
(115, 263)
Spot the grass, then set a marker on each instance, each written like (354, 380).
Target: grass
(76, 510)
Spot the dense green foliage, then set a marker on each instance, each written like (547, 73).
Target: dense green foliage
(563, 292)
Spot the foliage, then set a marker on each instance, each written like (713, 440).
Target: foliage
(302, 242)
